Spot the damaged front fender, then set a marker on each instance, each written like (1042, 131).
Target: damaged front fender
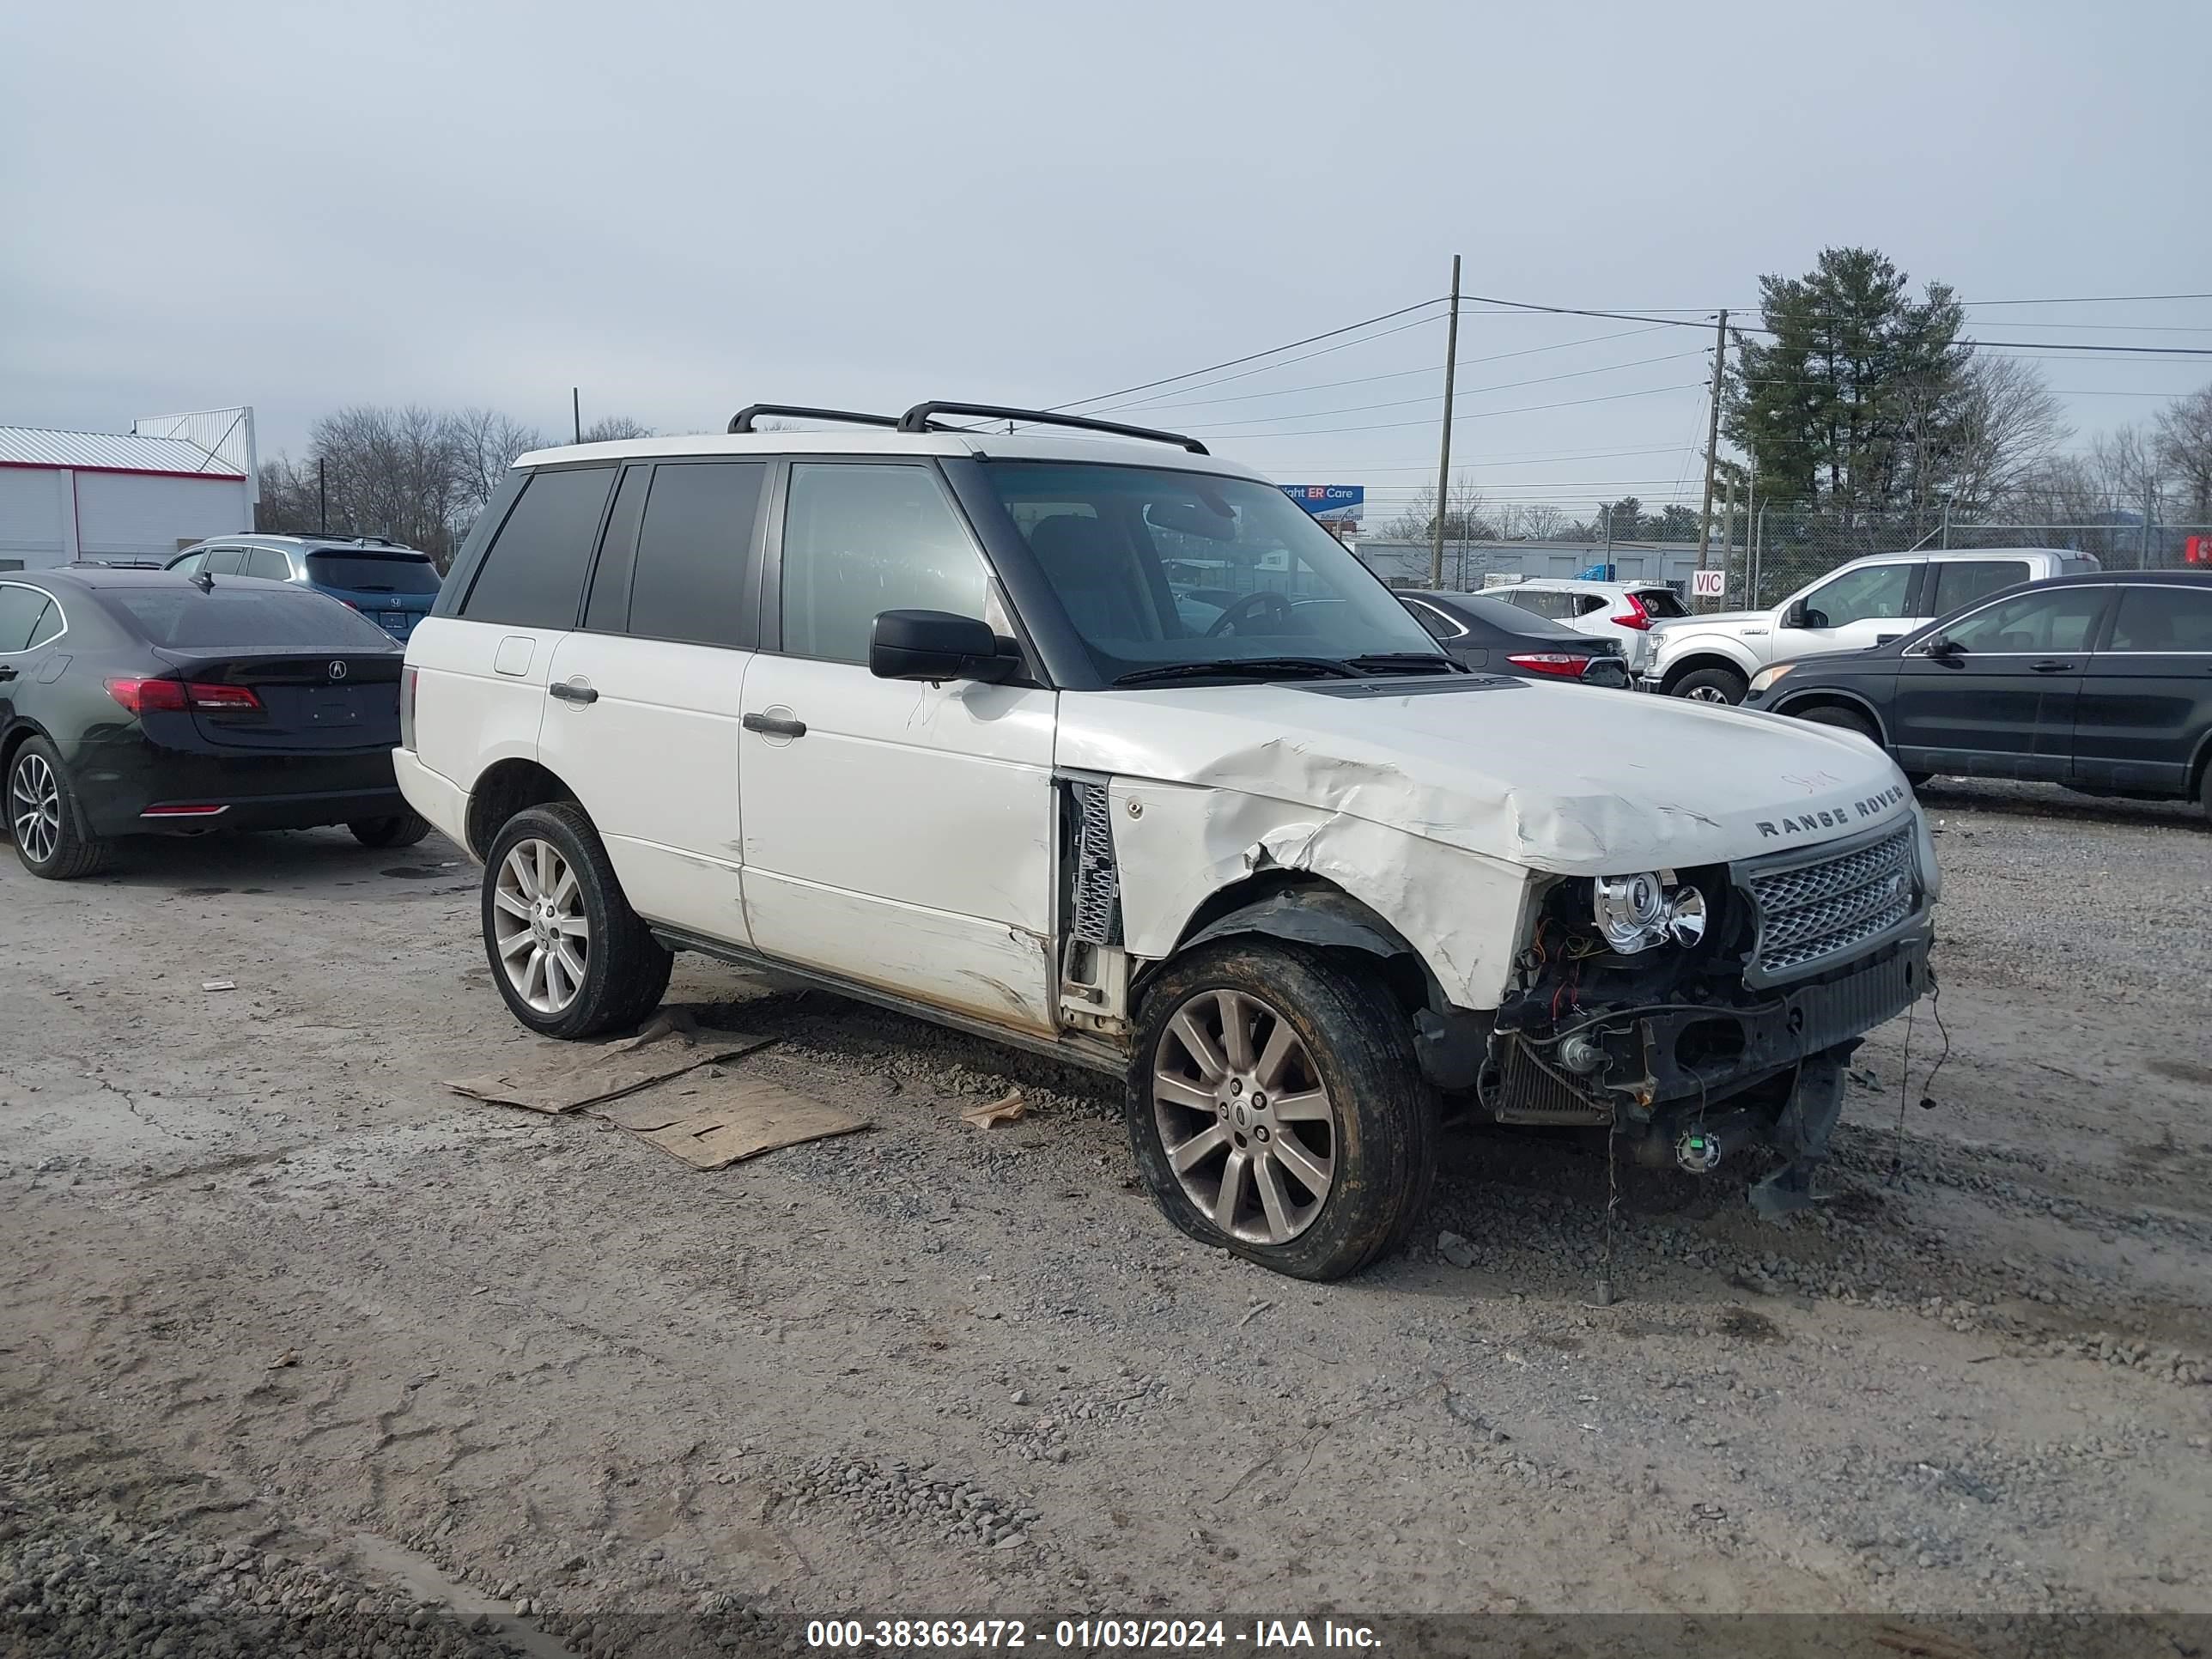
(1177, 845)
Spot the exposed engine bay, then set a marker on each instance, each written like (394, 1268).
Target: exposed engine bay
(1637, 1008)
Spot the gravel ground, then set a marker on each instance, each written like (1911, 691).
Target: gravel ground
(472, 1364)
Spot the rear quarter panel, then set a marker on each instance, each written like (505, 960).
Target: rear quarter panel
(479, 694)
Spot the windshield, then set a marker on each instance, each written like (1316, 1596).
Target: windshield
(373, 573)
(1166, 567)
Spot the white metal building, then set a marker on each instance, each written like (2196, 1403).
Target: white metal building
(171, 481)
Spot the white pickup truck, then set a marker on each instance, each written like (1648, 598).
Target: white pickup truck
(1711, 659)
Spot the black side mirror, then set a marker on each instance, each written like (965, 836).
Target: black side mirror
(1942, 646)
(936, 645)
(1793, 616)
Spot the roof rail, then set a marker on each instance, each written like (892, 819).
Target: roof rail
(917, 420)
(744, 419)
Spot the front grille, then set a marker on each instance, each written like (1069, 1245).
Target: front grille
(1813, 912)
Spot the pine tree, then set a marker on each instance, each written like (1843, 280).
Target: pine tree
(1856, 398)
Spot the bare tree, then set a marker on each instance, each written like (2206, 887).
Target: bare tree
(609, 427)
(2184, 447)
(485, 444)
(1465, 516)
(290, 503)
(2008, 429)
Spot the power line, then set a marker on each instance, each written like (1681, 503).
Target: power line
(1268, 368)
(2088, 300)
(1471, 391)
(1480, 415)
(1395, 374)
(1248, 357)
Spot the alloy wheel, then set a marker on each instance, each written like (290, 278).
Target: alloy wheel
(1244, 1117)
(34, 808)
(1705, 694)
(543, 936)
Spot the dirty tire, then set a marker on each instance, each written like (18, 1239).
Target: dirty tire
(626, 969)
(1357, 1040)
(1844, 720)
(404, 830)
(1712, 685)
(35, 774)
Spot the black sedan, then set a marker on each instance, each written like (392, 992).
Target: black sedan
(1499, 638)
(2102, 683)
(140, 701)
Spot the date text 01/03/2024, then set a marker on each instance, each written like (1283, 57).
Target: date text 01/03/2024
(1261, 1636)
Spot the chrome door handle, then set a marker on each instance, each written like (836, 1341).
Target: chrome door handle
(570, 693)
(770, 725)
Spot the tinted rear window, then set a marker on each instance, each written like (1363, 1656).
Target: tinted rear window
(1663, 602)
(1514, 619)
(691, 553)
(2163, 619)
(287, 620)
(20, 611)
(373, 573)
(532, 576)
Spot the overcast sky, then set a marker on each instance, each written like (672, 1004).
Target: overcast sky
(683, 207)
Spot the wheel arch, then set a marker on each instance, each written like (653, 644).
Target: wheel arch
(1299, 908)
(1702, 657)
(506, 788)
(1831, 697)
(21, 731)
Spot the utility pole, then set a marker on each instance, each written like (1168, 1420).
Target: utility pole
(322, 496)
(1712, 438)
(576, 410)
(2150, 509)
(1444, 450)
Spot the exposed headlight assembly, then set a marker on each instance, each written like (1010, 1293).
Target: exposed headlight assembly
(1636, 912)
(1767, 676)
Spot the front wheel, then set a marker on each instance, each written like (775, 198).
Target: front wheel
(1276, 1109)
(1844, 720)
(567, 952)
(404, 830)
(1712, 685)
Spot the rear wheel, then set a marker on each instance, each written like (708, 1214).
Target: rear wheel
(566, 951)
(2204, 789)
(42, 817)
(1276, 1109)
(404, 830)
(1712, 685)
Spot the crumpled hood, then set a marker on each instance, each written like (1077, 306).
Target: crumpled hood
(1566, 779)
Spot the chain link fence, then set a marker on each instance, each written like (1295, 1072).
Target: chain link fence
(1782, 549)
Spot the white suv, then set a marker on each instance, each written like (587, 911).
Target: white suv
(1867, 602)
(914, 714)
(1623, 611)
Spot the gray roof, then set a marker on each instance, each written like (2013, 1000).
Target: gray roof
(108, 451)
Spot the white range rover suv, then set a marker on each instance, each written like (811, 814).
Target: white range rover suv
(914, 713)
